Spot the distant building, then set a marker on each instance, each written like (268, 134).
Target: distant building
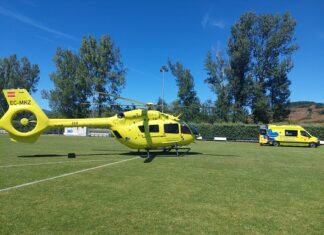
(75, 131)
(84, 131)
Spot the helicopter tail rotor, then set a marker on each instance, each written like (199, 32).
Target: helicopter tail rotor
(24, 120)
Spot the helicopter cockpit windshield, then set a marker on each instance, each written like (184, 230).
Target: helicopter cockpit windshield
(187, 129)
(194, 130)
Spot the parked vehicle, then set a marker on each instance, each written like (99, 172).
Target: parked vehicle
(291, 135)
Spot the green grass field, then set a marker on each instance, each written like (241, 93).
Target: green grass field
(220, 188)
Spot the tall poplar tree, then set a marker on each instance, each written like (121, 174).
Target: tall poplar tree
(78, 78)
(104, 68)
(187, 103)
(240, 49)
(70, 92)
(274, 46)
(260, 49)
(217, 80)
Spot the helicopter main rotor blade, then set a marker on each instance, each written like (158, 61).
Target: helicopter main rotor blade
(123, 98)
(108, 105)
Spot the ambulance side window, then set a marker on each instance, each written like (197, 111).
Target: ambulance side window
(291, 133)
(263, 131)
(305, 134)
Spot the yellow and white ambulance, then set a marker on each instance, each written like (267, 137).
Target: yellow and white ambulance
(291, 135)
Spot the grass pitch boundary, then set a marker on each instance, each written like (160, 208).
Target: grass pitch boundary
(64, 175)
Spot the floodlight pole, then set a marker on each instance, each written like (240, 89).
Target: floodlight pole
(163, 69)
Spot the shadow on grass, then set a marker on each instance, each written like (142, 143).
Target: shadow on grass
(42, 155)
(287, 146)
(65, 155)
(153, 155)
(161, 154)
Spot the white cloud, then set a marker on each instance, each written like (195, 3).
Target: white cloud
(207, 21)
(219, 24)
(36, 24)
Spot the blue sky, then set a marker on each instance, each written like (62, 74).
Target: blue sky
(149, 32)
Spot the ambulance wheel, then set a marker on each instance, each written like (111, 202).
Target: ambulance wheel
(312, 145)
(276, 144)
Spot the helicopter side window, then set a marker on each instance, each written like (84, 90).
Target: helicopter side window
(141, 128)
(120, 115)
(171, 128)
(185, 129)
(118, 136)
(152, 128)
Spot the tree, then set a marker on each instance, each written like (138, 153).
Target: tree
(187, 103)
(274, 45)
(279, 91)
(218, 83)
(104, 68)
(208, 112)
(80, 76)
(261, 112)
(70, 93)
(16, 73)
(260, 49)
(240, 47)
(165, 106)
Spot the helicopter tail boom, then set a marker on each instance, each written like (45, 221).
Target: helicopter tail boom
(25, 120)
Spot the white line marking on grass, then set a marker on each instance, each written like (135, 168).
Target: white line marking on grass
(49, 163)
(64, 175)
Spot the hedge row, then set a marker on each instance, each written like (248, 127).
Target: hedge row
(315, 130)
(230, 131)
(244, 132)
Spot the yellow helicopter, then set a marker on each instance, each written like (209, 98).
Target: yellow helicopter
(138, 129)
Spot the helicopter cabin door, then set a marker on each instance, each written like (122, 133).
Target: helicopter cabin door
(171, 132)
(151, 131)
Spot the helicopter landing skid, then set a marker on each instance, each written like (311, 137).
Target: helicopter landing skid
(181, 148)
(167, 150)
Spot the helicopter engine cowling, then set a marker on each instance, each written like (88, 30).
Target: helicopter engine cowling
(153, 114)
(132, 114)
(150, 114)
